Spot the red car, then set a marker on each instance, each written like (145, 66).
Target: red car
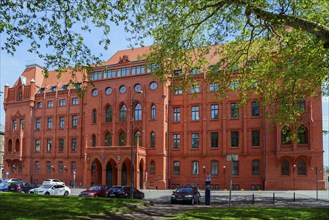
(94, 191)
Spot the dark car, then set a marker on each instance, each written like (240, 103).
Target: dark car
(22, 187)
(124, 192)
(187, 194)
(95, 191)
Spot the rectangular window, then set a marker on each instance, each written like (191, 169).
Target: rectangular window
(234, 85)
(50, 104)
(48, 167)
(235, 170)
(49, 143)
(255, 109)
(235, 110)
(195, 113)
(50, 123)
(21, 123)
(61, 122)
(138, 70)
(214, 111)
(195, 88)
(152, 68)
(37, 145)
(73, 144)
(176, 168)
(60, 167)
(75, 101)
(214, 168)
(62, 102)
(109, 74)
(195, 140)
(195, 71)
(74, 121)
(234, 139)
(37, 167)
(214, 87)
(178, 91)
(74, 167)
(300, 105)
(195, 167)
(176, 141)
(96, 75)
(123, 72)
(39, 105)
(61, 145)
(255, 136)
(255, 167)
(214, 139)
(176, 114)
(38, 123)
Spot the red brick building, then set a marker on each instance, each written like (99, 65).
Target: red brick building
(52, 132)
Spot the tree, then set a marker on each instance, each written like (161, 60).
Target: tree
(276, 48)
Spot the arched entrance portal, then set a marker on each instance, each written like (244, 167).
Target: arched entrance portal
(141, 174)
(111, 173)
(96, 173)
(124, 175)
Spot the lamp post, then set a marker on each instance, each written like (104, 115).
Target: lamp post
(224, 167)
(316, 183)
(293, 179)
(132, 145)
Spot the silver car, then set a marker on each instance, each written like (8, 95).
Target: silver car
(50, 189)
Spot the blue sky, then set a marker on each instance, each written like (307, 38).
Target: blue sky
(11, 68)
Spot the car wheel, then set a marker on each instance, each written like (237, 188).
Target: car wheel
(66, 193)
(47, 193)
(192, 201)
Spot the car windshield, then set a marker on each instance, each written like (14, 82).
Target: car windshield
(46, 186)
(184, 190)
(4, 184)
(94, 188)
(116, 189)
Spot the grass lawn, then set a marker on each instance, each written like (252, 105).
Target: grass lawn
(30, 206)
(256, 213)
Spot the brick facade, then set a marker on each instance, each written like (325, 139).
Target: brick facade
(52, 132)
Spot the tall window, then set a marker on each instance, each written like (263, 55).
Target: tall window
(61, 122)
(195, 167)
(214, 87)
(93, 140)
(214, 139)
(122, 139)
(285, 170)
(255, 110)
(48, 167)
(60, 166)
(152, 168)
(49, 143)
(195, 140)
(301, 168)
(39, 105)
(108, 114)
(75, 101)
(109, 74)
(138, 112)
(138, 137)
(234, 139)
(108, 139)
(73, 167)
(214, 168)
(152, 137)
(123, 72)
(176, 141)
(153, 112)
(74, 121)
(14, 125)
(62, 102)
(50, 104)
(37, 145)
(176, 114)
(235, 171)
(176, 168)
(302, 135)
(123, 113)
(300, 105)
(195, 88)
(195, 113)
(50, 123)
(61, 145)
(21, 122)
(255, 136)
(234, 110)
(94, 119)
(214, 111)
(285, 136)
(255, 167)
(38, 123)
(138, 70)
(37, 167)
(73, 144)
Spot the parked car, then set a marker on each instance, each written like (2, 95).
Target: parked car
(51, 189)
(53, 181)
(95, 191)
(187, 194)
(4, 186)
(13, 180)
(22, 187)
(124, 192)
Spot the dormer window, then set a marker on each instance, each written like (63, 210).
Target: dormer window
(65, 87)
(53, 89)
(77, 86)
(42, 90)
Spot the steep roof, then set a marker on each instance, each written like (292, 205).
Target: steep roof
(133, 54)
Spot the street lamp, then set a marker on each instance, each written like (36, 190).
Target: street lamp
(132, 145)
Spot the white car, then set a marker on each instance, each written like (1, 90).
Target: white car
(51, 189)
(53, 181)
